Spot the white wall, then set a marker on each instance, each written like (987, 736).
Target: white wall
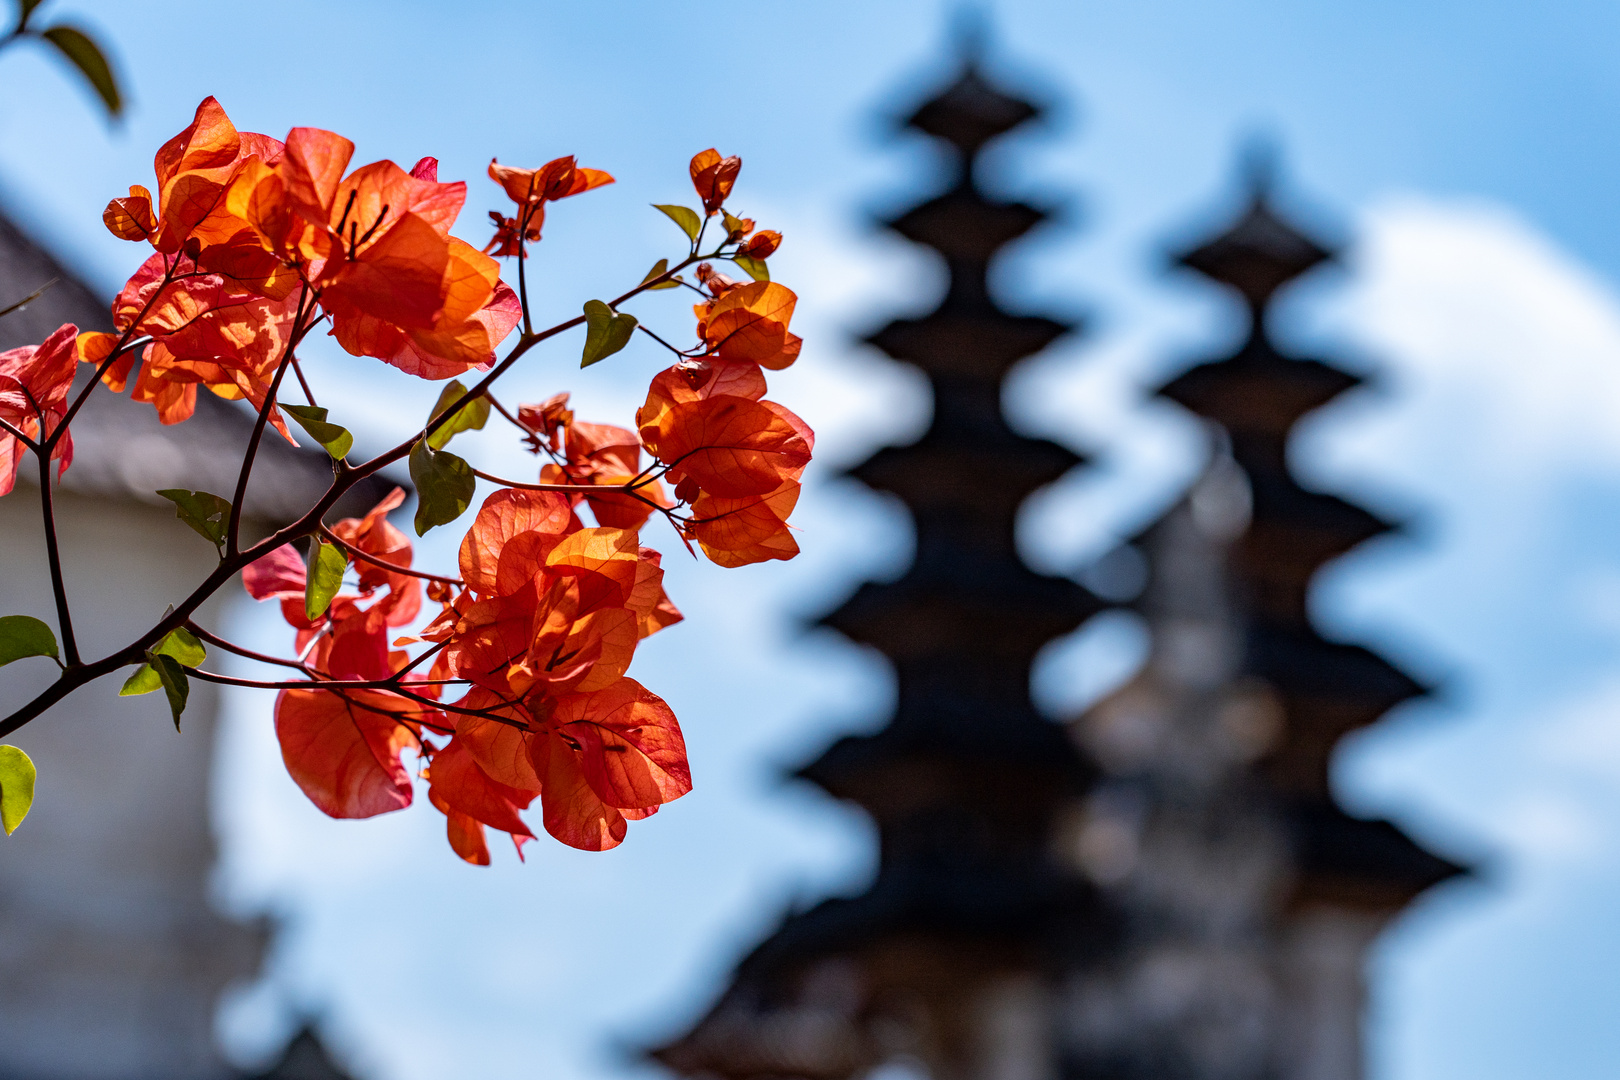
(110, 958)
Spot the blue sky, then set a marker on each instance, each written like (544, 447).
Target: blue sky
(1470, 149)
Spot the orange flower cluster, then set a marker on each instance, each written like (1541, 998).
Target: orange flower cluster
(251, 233)
(518, 685)
(34, 383)
(540, 630)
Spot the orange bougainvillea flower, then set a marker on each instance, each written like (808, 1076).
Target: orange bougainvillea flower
(131, 218)
(470, 800)
(597, 759)
(730, 446)
(377, 537)
(697, 381)
(506, 242)
(736, 532)
(551, 608)
(736, 459)
(343, 749)
(556, 179)
(762, 245)
(206, 330)
(714, 177)
(546, 421)
(376, 245)
(749, 324)
(511, 516)
(557, 619)
(34, 384)
(602, 455)
(193, 171)
(467, 335)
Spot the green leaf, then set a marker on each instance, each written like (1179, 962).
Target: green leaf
(444, 486)
(17, 775)
(175, 685)
(86, 55)
(659, 268)
(470, 417)
(312, 418)
(688, 220)
(209, 514)
(24, 635)
(181, 644)
(325, 576)
(606, 332)
(755, 268)
(144, 681)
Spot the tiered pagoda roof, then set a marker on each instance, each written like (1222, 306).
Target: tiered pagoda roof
(967, 778)
(1257, 396)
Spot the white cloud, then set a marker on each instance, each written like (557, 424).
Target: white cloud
(1497, 344)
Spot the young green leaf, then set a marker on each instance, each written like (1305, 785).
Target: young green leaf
(470, 417)
(754, 268)
(24, 635)
(182, 645)
(312, 418)
(444, 486)
(324, 578)
(17, 776)
(86, 55)
(606, 332)
(208, 514)
(144, 681)
(659, 269)
(175, 685)
(688, 220)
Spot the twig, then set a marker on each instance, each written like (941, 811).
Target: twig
(29, 299)
(366, 556)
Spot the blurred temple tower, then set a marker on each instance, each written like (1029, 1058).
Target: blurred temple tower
(1171, 894)
(112, 960)
(949, 959)
(1250, 897)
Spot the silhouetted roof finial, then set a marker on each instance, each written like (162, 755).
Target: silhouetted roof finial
(1261, 251)
(971, 110)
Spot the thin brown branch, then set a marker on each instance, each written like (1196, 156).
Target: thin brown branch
(228, 567)
(53, 555)
(392, 568)
(239, 499)
(229, 646)
(29, 299)
(19, 435)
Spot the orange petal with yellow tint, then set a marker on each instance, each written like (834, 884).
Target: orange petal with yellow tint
(505, 514)
(131, 218)
(345, 753)
(312, 168)
(632, 752)
(737, 532)
(733, 447)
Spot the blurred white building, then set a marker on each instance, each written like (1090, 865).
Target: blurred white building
(112, 960)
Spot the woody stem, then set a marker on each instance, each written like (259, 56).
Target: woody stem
(235, 560)
(365, 556)
(64, 618)
(233, 534)
(523, 277)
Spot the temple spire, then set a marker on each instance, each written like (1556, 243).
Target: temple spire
(1239, 866)
(960, 932)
